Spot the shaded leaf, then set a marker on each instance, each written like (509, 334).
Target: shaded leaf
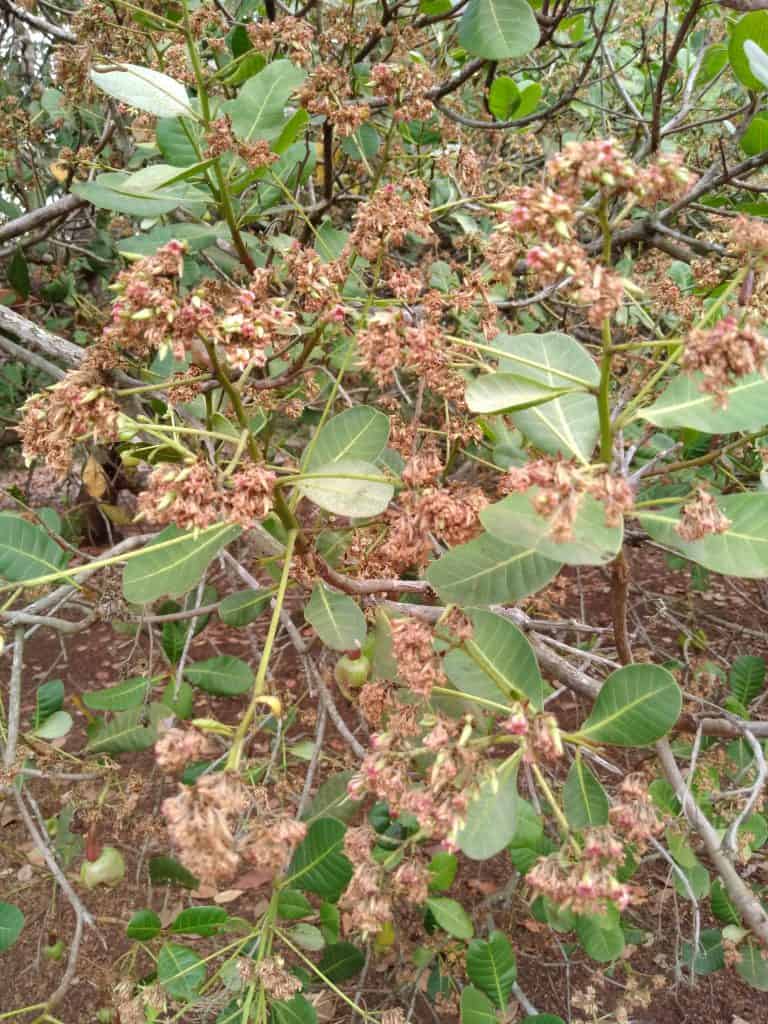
(336, 618)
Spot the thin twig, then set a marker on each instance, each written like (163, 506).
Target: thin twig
(14, 698)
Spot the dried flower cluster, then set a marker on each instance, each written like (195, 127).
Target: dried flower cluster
(292, 35)
(275, 979)
(76, 409)
(602, 164)
(440, 804)
(406, 87)
(203, 825)
(192, 497)
(176, 748)
(382, 222)
(367, 903)
(558, 490)
(701, 517)
(327, 92)
(725, 353)
(635, 817)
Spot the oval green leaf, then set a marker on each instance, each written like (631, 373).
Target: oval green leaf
(636, 706)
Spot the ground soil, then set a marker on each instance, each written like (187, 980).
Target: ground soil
(670, 620)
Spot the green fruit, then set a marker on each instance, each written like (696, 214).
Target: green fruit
(352, 671)
(107, 869)
(54, 952)
(105, 1015)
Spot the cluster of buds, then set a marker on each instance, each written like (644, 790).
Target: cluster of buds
(587, 885)
(635, 816)
(602, 165)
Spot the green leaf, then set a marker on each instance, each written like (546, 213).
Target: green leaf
(330, 920)
(584, 799)
(491, 966)
(131, 693)
(491, 816)
(601, 936)
(231, 1014)
(569, 425)
(48, 700)
(172, 138)
(503, 98)
(26, 550)
(487, 571)
(498, 29)
(145, 89)
(55, 726)
(11, 923)
(180, 971)
(259, 110)
(318, 864)
(758, 61)
(476, 1008)
(336, 618)
(715, 59)
(752, 28)
(224, 675)
(341, 961)
(709, 956)
(167, 869)
(751, 965)
(684, 404)
(202, 921)
(292, 1011)
(500, 652)
(747, 677)
(17, 274)
(243, 607)
(508, 392)
(451, 917)
(143, 926)
(442, 871)
(292, 905)
(721, 905)
(637, 705)
(358, 433)
(127, 732)
(742, 550)
(348, 487)
(175, 568)
(530, 94)
(516, 521)
(141, 197)
(755, 138)
(308, 936)
(332, 799)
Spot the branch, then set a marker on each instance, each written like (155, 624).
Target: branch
(35, 218)
(742, 897)
(47, 27)
(29, 334)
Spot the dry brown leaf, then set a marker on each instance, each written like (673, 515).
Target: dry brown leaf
(95, 479)
(228, 896)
